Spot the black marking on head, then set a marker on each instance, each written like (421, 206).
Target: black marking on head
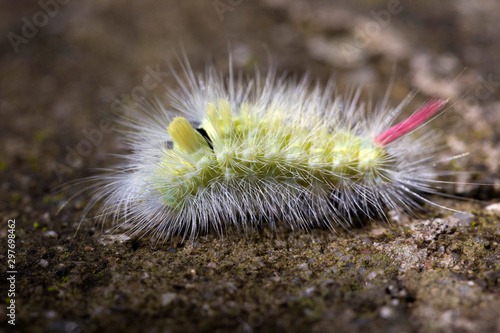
(205, 136)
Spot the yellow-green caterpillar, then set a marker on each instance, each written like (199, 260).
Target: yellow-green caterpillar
(235, 153)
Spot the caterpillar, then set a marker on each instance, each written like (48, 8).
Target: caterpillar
(229, 152)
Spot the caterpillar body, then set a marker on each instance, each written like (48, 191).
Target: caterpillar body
(242, 153)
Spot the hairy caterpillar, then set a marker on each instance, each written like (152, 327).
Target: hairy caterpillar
(240, 153)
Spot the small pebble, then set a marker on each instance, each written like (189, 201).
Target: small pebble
(51, 314)
(309, 292)
(494, 208)
(346, 257)
(303, 266)
(167, 298)
(110, 239)
(386, 312)
(44, 263)
(50, 234)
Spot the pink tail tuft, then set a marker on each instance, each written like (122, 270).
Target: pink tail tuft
(411, 123)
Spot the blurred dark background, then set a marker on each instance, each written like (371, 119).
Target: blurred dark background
(64, 63)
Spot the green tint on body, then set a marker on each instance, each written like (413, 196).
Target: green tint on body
(247, 148)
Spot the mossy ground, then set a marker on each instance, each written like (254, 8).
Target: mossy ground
(380, 276)
(438, 272)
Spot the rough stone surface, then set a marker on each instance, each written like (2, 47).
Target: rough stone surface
(438, 271)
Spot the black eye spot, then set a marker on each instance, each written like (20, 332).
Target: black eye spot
(206, 137)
